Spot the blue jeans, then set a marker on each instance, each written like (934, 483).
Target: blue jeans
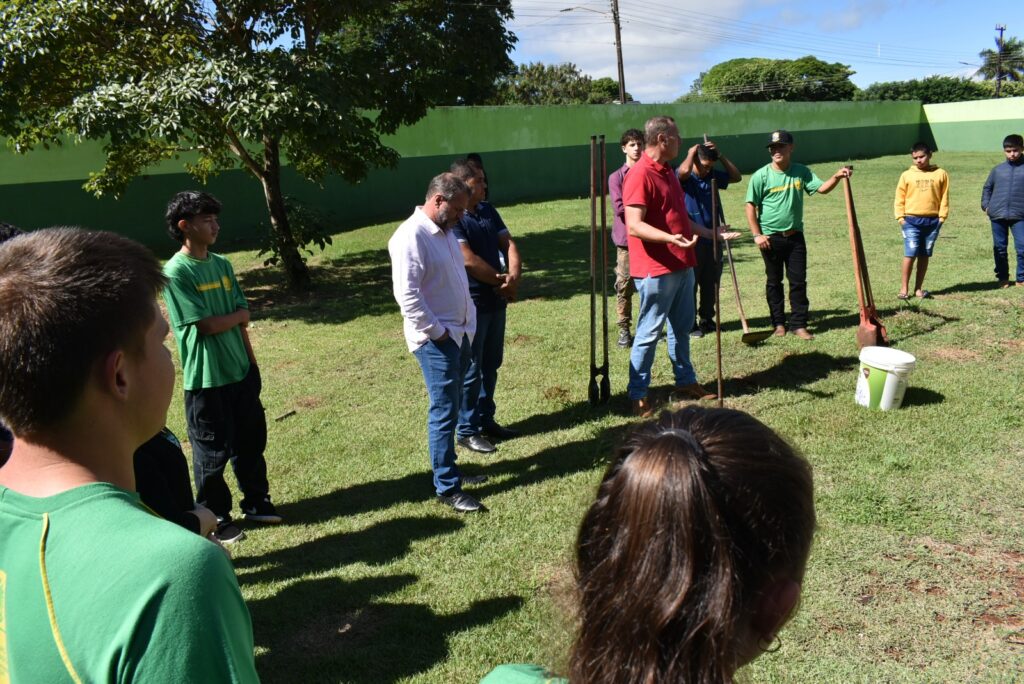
(1000, 242)
(477, 410)
(663, 298)
(919, 235)
(444, 365)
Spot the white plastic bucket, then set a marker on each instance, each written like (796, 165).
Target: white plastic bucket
(882, 380)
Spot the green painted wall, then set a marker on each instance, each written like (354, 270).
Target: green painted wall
(975, 126)
(529, 152)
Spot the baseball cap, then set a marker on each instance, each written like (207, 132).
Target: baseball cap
(780, 137)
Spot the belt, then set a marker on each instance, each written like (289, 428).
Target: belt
(788, 233)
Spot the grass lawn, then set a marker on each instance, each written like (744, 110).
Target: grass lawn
(917, 572)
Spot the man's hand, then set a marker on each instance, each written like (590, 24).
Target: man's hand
(682, 242)
(508, 290)
(243, 315)
(762, 242)
(207, 519)
(844, 172)
(728, 235)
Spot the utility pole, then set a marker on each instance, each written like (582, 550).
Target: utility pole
(618, 41)
(999, 57)
(618, 51)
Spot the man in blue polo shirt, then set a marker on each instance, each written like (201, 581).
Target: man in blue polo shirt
(493, 266)
(696, 173)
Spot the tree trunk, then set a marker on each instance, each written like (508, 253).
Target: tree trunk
(294, 266)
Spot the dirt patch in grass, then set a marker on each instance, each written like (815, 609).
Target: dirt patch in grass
(1002, 606)
(309, 402)
(955, 354)
(1013, 345)
(558, 394)
(522, 340)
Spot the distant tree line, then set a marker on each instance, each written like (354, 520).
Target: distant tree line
(758, 79)
(553, 84)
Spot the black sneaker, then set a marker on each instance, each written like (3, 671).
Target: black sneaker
(470, 480)
(625, 339)
(707, 327)
(228, 532)
(461, 502)
(696, 333)
(499, 432)
(262, 511)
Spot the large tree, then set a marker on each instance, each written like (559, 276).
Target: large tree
(758, 79)
(543, 84)
(1006, 62)
(249, 83)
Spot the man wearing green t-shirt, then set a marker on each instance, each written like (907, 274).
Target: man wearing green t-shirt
(209, 316)
(775, 213)
(94, 587)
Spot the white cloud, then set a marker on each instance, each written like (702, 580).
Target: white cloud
(659, 64)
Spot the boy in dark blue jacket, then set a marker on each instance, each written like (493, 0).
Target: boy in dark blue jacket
(1002, 199)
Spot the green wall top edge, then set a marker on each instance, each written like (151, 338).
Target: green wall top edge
(1003, 109)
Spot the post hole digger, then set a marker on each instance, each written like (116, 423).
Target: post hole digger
(598, 392)
(870, 332)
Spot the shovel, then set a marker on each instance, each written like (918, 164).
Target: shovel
(718, 284)
(870, 332)
(598, 392)
(748, 337)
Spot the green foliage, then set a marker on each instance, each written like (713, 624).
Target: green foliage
(929, 90)
(1006, 61)
(605, 90)
(543, 84)
(758, 79)
(309, 227)
(553, 84)
(241, 82)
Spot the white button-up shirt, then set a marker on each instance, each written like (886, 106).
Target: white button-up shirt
(428, 275)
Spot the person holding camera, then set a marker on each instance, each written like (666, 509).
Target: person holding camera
(695, 174)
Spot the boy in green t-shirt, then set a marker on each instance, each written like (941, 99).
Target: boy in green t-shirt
(209, 317)
(775, 213)
(93, 586)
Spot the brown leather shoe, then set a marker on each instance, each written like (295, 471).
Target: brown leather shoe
(780, 331)
(803, 334)
(694, 392)
(642, 408)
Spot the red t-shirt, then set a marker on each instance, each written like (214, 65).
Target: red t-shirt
(655, 186)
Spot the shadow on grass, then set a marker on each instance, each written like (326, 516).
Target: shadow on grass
(378, 544)
(330, 630)
(920, 396)
(794, 373)
(977, 286)
(557, 264)
(417, 487)
(344, 289)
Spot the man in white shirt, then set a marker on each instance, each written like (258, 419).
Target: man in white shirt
(432, 290)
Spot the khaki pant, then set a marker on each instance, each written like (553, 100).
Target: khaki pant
(624, 289)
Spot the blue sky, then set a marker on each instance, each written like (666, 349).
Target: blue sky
(666, 44)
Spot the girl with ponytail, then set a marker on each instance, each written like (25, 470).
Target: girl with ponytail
(691, 558)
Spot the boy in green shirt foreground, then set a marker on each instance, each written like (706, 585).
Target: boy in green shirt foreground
(209, 317)
(93, 586)
(775, 214)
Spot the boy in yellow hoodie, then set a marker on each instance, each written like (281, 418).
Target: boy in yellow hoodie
(921, 207)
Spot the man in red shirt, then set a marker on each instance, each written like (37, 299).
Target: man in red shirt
(661, 261)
